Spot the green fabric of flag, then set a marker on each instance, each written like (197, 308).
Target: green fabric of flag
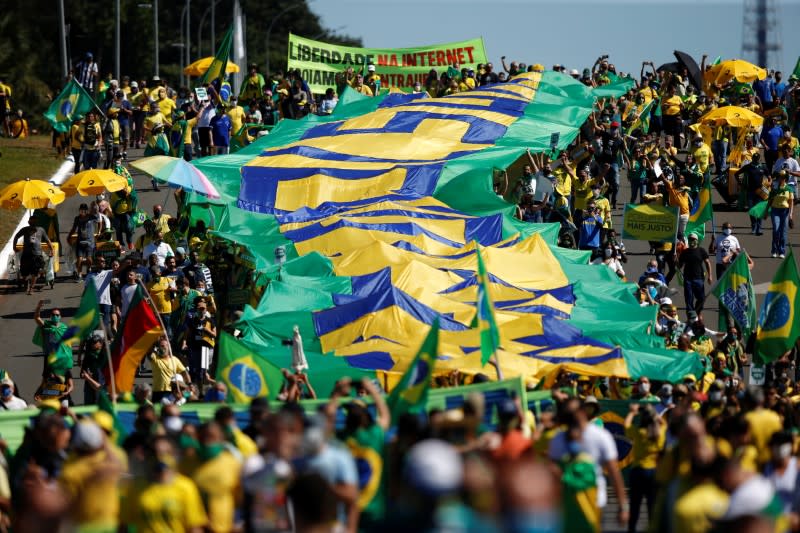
(72, 104)
(643, 118)
(247, 374)
(759, 210)
(734, 290)
(104, 404)
(702, 212)
(484, 316)
(796, 71)
(411, 392)
(85, 321)
(778, 325)
(216, 70)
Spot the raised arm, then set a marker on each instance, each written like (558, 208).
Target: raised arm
(384, 415)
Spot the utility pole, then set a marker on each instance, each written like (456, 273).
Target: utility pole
(116, 40)
(62, 40)
(188, 32)
(155, 32)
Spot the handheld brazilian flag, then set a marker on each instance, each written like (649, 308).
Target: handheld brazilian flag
(411, 392)
(216, 70)
(85, 321)
(484, 317)
(105, 405)
(778, 326)
(702, 211)
(70, 105)
(734, 290)
(796, 71)
(642, 119)
(247, 374)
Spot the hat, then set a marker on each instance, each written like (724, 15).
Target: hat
(591, 400)
(692, 315)
(180, 250)
(156, 78)
(689, 377)
(586, 73)
(134, 85)
(574, 72)
(433, 467)
(665, 301)
(87, 436)
(89, 55)
(371, 68)
(7, 381)
(177, 378)
(692, 237)
(104, 420)
(615, 124)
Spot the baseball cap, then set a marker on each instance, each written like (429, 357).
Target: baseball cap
(692, 236)
(574, 72)
(87, 436)
(433, 467)
(615, 124)
(134, 84)
(371, 68)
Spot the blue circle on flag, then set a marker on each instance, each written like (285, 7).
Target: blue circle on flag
(66, 108)
(778, 311)
(247, 380)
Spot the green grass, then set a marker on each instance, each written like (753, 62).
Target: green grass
(19, 159)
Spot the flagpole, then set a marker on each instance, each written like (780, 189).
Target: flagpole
(111, 372)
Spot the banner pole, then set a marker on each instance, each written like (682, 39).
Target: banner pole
(149, 300)
(111, 373)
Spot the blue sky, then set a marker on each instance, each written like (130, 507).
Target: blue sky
(570, 32)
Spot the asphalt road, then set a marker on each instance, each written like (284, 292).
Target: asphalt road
(24, 360)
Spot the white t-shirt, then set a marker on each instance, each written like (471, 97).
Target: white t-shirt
(599, 444)
(162, 251)
(791, 165)
(726, 244)
(14, 404)
(102, 282)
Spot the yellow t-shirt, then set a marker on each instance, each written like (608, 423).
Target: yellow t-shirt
(364, 90)
(166, 106)
(563, 181)
(151, 121)
(702, 156)
(218, 481)
(678, 199)
(645, 450)
(92, 485)
(672, 106)
(160, 294)
(582, 193)
(163, 370)
(763, 424)
(648, 93)
(137, 100)
(605, 211)
(236, 114)
(782, 199)
(174, 506)
(76, 136)
(698, 507)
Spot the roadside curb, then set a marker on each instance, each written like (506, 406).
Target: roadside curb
(58, 178)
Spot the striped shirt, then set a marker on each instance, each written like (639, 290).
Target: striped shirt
(84, 74)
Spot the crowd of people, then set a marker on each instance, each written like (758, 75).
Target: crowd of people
(707, 453)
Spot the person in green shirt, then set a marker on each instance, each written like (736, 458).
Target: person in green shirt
(365, 438)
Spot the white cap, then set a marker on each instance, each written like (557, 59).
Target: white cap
(87, 436)
(665, 301)
(434, 467)
(134, 84)
(371, 68)
(574, 72)
(177, 378)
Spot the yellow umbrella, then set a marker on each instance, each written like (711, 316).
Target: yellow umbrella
(94, 181)
(737, 69)
(199, 67)
(733, 116)
(30, 194)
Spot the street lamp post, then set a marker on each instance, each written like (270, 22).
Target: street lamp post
(271, 25)
(117, 66)
(154, 7)
(62, 40)
(188, 37)
(200, 29)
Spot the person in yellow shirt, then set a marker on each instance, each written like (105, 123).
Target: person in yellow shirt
(165, 104)
(361, 87)
(76, 143)
(90, 479)
(166, 500)
(763, 422)
(218, 478)
(781, 203)
(678, 196)
(671, 108)
(165, 367)
(648, 438)
(162, 291)
(237, 115)
(153, 120)
(646, 92)
(702, 155)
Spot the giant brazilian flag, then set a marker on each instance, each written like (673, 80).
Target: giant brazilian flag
(380, 209)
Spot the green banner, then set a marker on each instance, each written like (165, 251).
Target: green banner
(398, 67)
(648, 222)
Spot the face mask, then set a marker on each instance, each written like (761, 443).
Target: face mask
(210, 451)
(608, 252)
(692, 244)
(727, 231)
(652, 291)
(156, 213)
(667, 400)
(7, 392)
(595, 193)
(644, 388)
(55, 319)
(715, 396)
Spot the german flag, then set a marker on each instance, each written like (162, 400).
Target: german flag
(139, 330)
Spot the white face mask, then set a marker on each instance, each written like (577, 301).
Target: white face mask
(727, 231)
(608, 252)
